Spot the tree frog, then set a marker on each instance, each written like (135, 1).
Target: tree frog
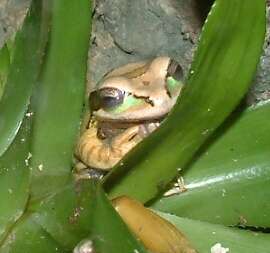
(127, 105)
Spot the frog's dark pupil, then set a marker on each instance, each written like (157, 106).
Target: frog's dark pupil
(110, 97)
(109, 102)
(174, 70)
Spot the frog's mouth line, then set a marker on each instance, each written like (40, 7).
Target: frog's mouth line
(129, 122)
(116, 123)
(109, 129)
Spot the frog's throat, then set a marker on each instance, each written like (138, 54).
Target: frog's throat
(110, 131)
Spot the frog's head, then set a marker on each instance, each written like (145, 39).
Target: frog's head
(138, 91)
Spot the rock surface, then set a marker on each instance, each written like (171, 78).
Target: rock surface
(260, 91)
(128, 31)
(12, 13)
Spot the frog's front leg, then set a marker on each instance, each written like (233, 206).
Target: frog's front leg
(99, 153)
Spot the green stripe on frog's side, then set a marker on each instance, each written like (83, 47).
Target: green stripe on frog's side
(173, 84)
(129, 101)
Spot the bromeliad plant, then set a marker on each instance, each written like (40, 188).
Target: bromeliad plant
(43, 209)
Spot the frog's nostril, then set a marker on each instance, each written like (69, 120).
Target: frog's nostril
(146, 83)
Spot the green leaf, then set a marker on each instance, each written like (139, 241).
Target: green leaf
(66, 215)
(14, 181)
(82, 211)
(29, 48)
(58, 100)
(61, 90)
(4, 67)
(28, 236)
(204, 235)
(222, 70)
(109, 232)
(229, 183)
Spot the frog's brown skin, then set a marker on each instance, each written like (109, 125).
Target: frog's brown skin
(133, 100)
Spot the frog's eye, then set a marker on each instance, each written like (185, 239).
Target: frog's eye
(106, 98)
(174, 71)
(110, 98)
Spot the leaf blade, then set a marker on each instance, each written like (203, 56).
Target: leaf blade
(213, 78)
(205, 235)
(29, 47)
(116, 239)
(14, 180)
(228, 174)
(30, 237)
(58, 101)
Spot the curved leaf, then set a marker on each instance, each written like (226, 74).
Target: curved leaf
(62, 80)
(66, 215)
(29, 48)
(28, 236)
(222, 70)
(80, 212)
(14, 181)
(230, 181)
(108, 232)
(57, 103)
(205, 235)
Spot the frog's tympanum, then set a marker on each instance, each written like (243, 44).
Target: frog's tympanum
(127, 106)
